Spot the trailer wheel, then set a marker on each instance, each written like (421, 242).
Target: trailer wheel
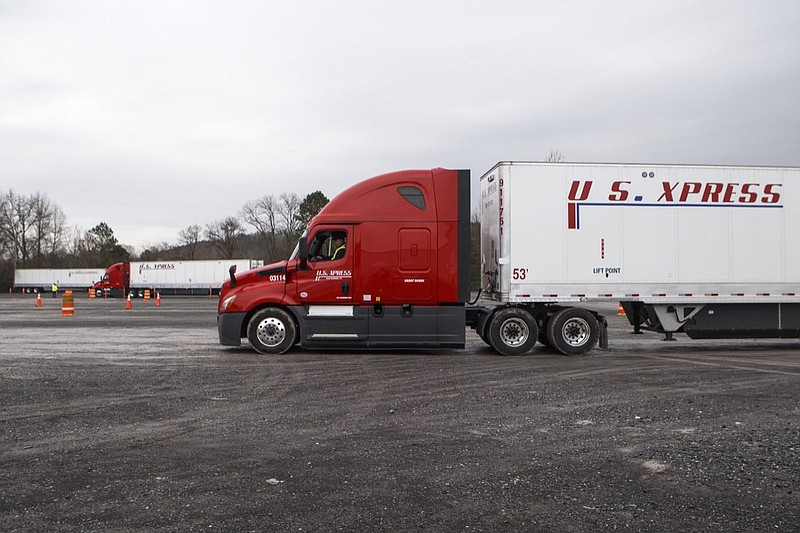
(271, 331)
(573, 331)
(512, 331)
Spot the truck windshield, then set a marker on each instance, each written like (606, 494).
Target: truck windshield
(297, 247)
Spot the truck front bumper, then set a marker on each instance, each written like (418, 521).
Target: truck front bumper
(229, 327)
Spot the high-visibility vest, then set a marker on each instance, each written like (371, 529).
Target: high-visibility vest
(336, 254)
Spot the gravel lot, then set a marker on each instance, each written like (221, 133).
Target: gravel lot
(138, 420)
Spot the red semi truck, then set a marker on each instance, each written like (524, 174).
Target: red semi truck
(711, 252)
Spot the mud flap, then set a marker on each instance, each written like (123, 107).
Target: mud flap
(603, 325)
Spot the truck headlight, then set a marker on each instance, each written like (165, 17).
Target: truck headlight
(227, 301)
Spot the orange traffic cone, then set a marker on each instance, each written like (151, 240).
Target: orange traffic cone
(158, 299)
(38, 299)
(621, 311)
(128, 303)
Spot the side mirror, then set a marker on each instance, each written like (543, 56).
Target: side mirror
(302, 252)
(232, 272)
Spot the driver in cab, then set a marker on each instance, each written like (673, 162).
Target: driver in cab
(338, 246)
(328, 243)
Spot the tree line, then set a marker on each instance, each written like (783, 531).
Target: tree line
(34, 233)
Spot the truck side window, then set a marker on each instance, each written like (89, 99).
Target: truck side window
(328, 246)
(413, 195)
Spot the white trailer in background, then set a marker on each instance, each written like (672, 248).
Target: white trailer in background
(709, 251)
(42, 279)
(184, 277)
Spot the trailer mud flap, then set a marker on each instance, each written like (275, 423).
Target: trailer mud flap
(603, 337)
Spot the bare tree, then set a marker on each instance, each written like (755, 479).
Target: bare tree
(554, 156)
(56, 240)
(224, 235)
(262, 215)
(41, 226)
(16, 216)
(22, 210)
(8, 229)
(156, 252)
(32, 230)
(76, 246)
(289, 211)
(190, 237)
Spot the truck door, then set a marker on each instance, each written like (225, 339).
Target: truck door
(329, 280)
(328, 316)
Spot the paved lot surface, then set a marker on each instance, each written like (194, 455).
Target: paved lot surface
(138, 420)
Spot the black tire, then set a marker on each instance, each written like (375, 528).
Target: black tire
(271, 331)
(512, 331)
(573, 331)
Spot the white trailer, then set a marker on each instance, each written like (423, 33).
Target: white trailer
(710, 251)
(184, 277)
(42, 279)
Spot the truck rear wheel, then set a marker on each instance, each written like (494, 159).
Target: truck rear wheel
(271, 331)
(512, 331)
(573, 331)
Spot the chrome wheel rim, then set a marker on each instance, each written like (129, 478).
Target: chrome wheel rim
(514, 332)
(271, 331)
(576, 331)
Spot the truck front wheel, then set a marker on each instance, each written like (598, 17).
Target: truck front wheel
(271, 331)
(573, 331)
(512, 331)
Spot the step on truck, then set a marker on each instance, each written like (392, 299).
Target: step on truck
(708, 251)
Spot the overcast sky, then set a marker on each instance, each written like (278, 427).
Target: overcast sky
(155, 115)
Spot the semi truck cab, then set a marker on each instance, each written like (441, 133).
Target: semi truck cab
(114, 281)
(401, 280)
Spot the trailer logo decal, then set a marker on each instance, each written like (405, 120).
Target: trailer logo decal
(674, 194)
(156, 266)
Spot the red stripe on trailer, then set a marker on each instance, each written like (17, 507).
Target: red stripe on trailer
(572, 213)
